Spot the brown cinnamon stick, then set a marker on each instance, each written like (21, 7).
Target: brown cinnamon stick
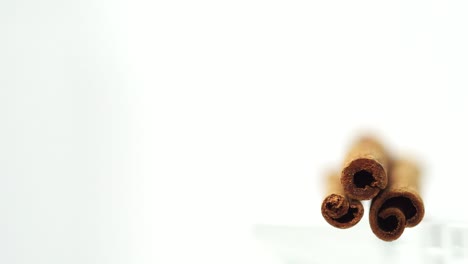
(365, 167)
(399, 205)
(337, 209)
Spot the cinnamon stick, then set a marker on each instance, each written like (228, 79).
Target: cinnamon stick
(337, 209)
(365, 167)
(400, 205)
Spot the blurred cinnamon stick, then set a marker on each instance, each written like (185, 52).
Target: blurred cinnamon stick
(337, 209)
(400, 205)
(365, 167)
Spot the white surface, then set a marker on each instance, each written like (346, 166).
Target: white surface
(431, 242)
(161, 132)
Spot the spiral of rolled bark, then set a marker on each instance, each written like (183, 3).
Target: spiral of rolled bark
(398, 206)
(365, 167)
(337, 209)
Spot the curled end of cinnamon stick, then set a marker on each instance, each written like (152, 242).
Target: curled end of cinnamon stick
(340, 212)
(335, 205)
(391, 212)
(391, 223)
(363, 178)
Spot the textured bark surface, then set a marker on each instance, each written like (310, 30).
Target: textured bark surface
(400, 204)
(365, 168)
(337, 209)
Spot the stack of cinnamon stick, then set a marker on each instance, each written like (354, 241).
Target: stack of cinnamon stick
(369, 172)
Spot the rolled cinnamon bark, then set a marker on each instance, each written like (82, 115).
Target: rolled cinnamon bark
(337, 209)
(365, 167)
(400, 205)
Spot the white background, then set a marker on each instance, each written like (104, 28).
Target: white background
(161, 132)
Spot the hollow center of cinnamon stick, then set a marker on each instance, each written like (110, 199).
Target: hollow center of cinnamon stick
(388, 224)
(348, 216)
(363, 178)
(404, 203)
